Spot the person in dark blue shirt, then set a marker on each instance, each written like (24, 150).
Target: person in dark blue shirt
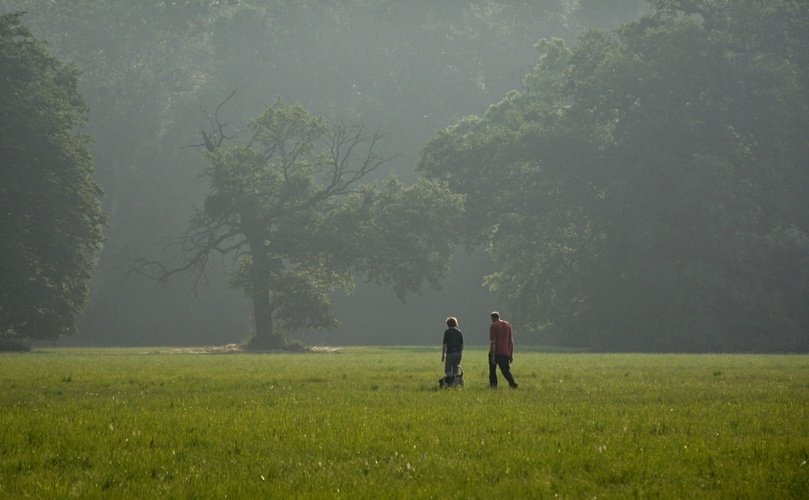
(451, 349)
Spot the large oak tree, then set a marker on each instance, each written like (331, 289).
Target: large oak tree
(292, 207)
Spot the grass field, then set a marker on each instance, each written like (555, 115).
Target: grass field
(371, 423)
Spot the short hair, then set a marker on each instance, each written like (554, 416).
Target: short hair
(452, 321)
(495, 315)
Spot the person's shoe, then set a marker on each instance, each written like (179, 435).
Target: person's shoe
(515, 386)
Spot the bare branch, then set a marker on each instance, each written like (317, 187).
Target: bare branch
(194, 250)
(213, 140)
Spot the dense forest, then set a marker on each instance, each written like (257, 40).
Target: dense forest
(633, 174)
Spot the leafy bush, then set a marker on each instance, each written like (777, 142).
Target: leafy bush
(14, 344)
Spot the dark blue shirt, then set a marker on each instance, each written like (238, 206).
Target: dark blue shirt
(454, 340)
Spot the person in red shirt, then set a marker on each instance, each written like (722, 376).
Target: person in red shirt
(501, 350)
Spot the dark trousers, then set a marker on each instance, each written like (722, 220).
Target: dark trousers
(502, 362)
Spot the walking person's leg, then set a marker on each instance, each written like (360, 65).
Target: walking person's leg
(492, 374)
(451, 365)
(455, 360)
(502, 362)
(448, 369)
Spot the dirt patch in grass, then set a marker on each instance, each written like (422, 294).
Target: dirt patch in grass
(324, 348)
(240, 348)
(219, 349)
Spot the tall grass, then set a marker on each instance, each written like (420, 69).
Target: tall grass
(371, 422)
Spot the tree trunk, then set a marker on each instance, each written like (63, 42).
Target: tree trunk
(266, 337)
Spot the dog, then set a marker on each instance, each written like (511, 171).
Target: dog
(456, 381)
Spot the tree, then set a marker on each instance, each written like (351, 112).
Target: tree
(141, 70)
(651, 182)
(288, 208)
(50, 217)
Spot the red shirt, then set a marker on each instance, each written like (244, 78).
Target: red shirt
(500, 333)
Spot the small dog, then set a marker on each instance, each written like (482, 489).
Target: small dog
(456, 381)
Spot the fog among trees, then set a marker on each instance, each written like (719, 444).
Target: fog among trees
(633, 174)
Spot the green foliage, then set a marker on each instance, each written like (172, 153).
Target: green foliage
(370, 422)
(398, 235)
(50, 217)
(647, 180)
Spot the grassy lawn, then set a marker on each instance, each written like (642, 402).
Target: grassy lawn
(371, 422)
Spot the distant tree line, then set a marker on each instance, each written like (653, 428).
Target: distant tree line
(151, 70)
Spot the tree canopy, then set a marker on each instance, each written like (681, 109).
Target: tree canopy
(647, 189)
(50, 217)
(292, 207)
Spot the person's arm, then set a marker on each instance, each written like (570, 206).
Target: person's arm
(510, 345)
(443, 351)
(491, 343)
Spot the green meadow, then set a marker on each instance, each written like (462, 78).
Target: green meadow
(371, 422)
